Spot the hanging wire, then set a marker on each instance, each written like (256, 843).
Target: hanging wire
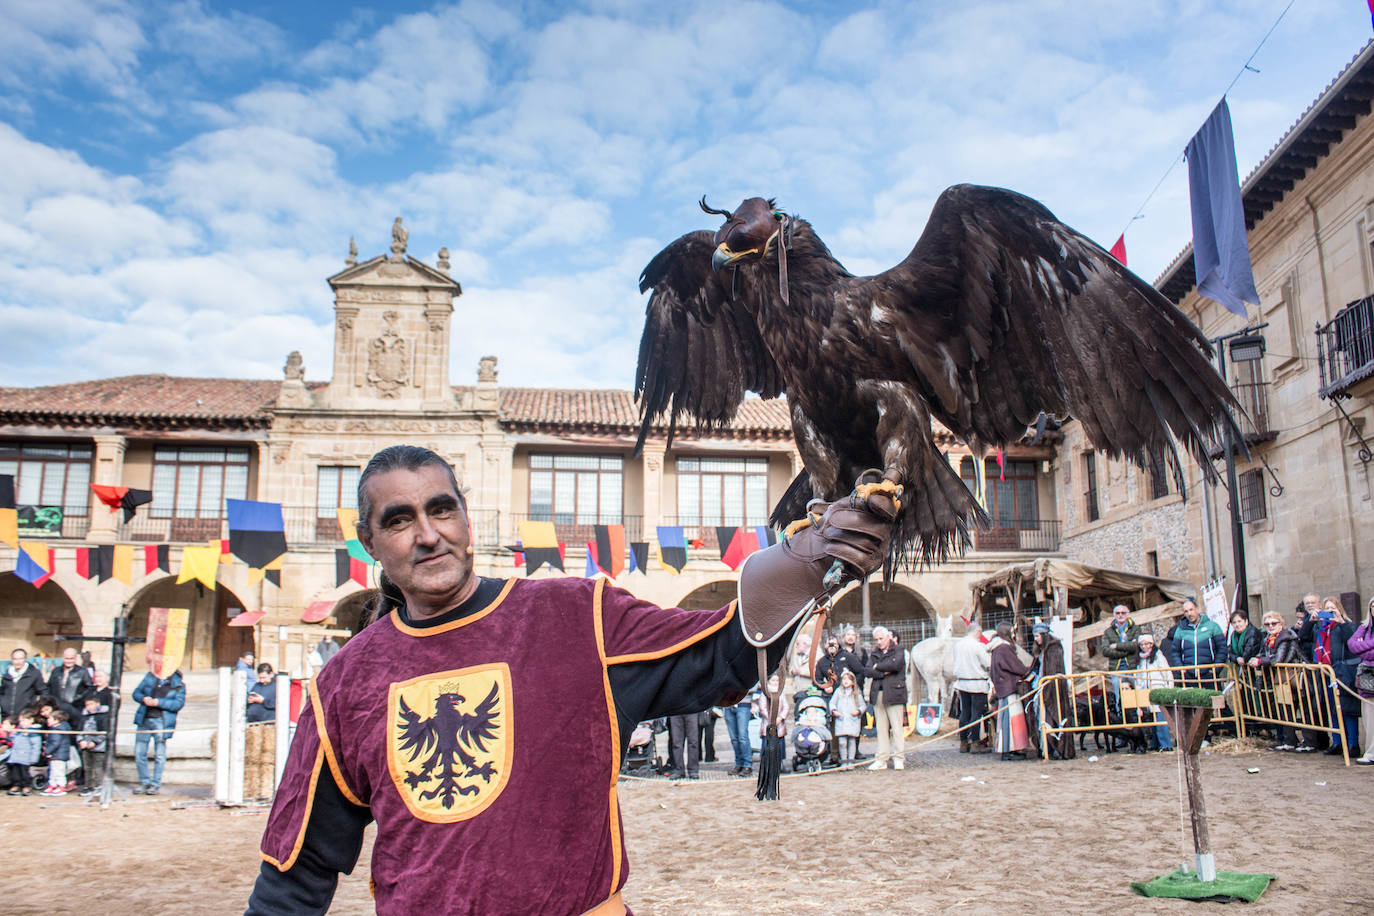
(1139, 212)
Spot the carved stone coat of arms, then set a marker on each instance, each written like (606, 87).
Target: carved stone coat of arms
(388, 361)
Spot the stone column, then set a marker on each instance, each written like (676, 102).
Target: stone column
(109, 469)
(654, 456)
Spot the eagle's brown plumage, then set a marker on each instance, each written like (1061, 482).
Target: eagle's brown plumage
(1000, 312)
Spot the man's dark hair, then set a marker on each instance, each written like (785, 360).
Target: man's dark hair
(264, 668)
(394, 458)
(1004, 631)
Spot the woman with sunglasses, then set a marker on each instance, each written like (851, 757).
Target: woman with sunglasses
(1328, 631)
(1362, 644)
(1279, 646)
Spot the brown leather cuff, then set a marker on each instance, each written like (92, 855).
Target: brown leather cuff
(783, 584)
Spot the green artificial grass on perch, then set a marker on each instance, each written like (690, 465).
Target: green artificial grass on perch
(1183, 696)
(1189, 710)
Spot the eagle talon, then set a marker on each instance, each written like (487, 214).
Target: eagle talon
(864, 490)
(800, 524)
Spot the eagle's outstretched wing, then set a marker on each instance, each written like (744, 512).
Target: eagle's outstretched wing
(700, 350)
(418, 734)
(1003, 312)
(479, 726)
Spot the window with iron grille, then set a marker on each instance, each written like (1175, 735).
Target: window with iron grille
(577, 489)
(1159, 476)
(1090, 486)
(1252, 507)
(722, 491)
(194, 481)
(1009, 491)
(49, 475)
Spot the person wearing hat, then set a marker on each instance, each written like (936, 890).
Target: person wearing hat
(1152, 671)
(1056, 702)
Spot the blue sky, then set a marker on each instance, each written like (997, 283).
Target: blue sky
(179, 178)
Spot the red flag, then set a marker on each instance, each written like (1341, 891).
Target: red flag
(1001, 465)
(745, 542)
(1119, 249)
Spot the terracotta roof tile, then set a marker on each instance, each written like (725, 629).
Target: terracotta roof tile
(147, 396)
(611, 407)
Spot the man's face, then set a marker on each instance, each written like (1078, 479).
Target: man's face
(883, 641)
(264, 677)
(1119, 614)
(1190, 611)
(68, 658)
(18, 657)
(832, 648)
(102, 680)
(419, 534)
(1310, 604)
(850, 637)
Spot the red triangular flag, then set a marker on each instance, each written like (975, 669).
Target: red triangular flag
(1119, 249)
(745, 542)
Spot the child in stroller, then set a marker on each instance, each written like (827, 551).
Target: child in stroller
(640, 757)
(811, 737)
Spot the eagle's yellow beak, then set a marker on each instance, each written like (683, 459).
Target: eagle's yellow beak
(724, 257)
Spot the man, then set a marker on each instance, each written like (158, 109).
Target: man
(737, 725)
(100, 689)
(262, 698)
(1199, 644)
(887, 693)
(835, 661)
(70, 682)
(20, 685)
(481, 722)
(1120, 644)
(971, 663)
(158, 701)
(684, 739)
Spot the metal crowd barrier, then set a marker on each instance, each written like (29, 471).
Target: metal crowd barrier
(1295, 695)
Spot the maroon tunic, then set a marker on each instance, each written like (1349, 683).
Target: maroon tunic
(487, 748)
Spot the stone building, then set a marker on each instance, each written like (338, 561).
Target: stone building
(1304, 492)
(519, 453)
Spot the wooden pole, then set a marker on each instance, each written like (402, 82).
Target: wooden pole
(1190, 727)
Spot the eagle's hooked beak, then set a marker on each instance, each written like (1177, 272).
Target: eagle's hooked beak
(724, 257)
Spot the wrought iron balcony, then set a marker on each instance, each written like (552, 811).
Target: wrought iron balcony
(1345, 349)
(1022, 535)
(1255, 422)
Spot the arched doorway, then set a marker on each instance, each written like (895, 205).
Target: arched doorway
(30, 617)
(903, 610)
(348, 612)
(210, 641)
(710, 596)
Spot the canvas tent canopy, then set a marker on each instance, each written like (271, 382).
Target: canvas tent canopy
(1047, 586)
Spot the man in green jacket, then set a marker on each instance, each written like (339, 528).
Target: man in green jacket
(1120, 644)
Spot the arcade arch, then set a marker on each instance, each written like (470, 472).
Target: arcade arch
(710, 596)
(899, 608)
(348, 611)
(210, 641)
(30, 617)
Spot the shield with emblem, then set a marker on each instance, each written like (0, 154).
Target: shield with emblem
(449, 744)
(166, 639)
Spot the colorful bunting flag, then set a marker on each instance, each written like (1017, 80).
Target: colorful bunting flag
(672, 550)
(34, 564)
(9, 515)
(539, 543)
(274, 576)
(199, 564)
(591, 570)
(271, 572)
(744, 542)
(766, 536)
(610, 549)
(348, 523)
(104, 563)
(122, 563)
(257, 535)
(639, 557)
(156, 557)
(1001, 465)
(122, 498)
(1119, 249)
(1221, 248)
(82, 557)
(347, 566)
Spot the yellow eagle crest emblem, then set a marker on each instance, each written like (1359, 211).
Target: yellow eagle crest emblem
(449, 745)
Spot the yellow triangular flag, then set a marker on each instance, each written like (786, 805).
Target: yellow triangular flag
(123, 563)
(658, 555)
(38, 552)
(348, 523)
(9, 527)
(200, 564)
(255, 575)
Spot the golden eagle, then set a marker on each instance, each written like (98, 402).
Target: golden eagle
(999, 314)
(441, 740)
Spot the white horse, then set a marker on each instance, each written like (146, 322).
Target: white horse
(933, 660)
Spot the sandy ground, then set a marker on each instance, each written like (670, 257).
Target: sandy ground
(1016, 837)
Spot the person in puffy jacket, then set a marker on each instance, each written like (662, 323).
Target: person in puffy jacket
(1278, 646)
(1197, 643)
(26, 747)
(1328, 632)
(1244, 641)
(158, 701)
(887, 692)
(1362, 644)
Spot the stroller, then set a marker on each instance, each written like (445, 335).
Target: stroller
(811, 737)
(640, 759)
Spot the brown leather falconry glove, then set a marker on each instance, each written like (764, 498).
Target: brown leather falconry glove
(779, 585)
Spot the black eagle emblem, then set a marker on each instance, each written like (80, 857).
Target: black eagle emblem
(448, 742)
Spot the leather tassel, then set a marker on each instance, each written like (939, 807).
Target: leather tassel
(770, 765)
